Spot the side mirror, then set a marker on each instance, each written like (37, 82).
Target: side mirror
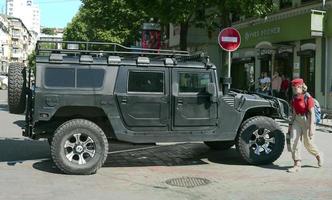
(211, 89)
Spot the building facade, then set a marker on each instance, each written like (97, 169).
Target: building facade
(287, 42)
(20, 44)
(27, 11)
(5, 40)
(284, 42)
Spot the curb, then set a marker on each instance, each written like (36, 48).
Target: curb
(325, 125)
(319, 124)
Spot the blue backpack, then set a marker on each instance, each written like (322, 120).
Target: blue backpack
(318, 112)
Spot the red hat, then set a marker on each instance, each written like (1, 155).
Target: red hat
(297, 82)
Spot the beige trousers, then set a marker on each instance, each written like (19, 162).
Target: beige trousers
(300, 132)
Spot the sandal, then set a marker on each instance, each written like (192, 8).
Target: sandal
(320, 160)
(294, 169)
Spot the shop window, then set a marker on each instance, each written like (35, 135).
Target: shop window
(285, 4)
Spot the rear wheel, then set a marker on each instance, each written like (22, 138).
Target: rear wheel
(79, 147)
(16, 88)
(260, 140)
(220, 145)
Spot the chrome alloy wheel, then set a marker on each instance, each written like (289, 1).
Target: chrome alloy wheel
(79, 148)
(261, 141)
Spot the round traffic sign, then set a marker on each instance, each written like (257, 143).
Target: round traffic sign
(229, 39)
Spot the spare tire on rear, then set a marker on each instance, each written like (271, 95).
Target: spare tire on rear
(16, 88)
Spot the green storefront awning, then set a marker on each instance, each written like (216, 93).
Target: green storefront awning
(284, 30)
(328, 23)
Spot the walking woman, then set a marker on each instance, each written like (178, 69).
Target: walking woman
(302, 127)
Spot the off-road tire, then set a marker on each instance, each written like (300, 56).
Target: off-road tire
(246, 134)
(220, 145)
(16, 88)
(65, 131)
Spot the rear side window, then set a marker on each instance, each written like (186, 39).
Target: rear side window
(90, 78)
(60, 77)
(72, 78)
(146, 82)
(193, 82)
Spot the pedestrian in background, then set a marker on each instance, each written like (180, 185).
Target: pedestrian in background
(284, 88)
(260, 78)
(265, 84)
(276, 84)
(302, 127)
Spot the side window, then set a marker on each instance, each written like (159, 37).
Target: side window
(146, 82)
(66, 77)
(193, 82)
(60, 77)
(90, 78)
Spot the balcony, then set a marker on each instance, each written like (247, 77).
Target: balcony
(17, 55)
(17, 46)
(16, 36)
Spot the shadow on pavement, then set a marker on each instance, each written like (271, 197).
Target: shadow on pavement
(19, 123)
(169, 155)
(47, 166)
(18, 150)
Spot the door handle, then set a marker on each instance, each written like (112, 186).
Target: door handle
(124, 100)
(180, 101)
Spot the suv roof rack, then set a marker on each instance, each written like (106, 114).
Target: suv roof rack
(47, 47)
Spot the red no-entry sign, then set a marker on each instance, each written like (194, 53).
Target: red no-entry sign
(229, 39)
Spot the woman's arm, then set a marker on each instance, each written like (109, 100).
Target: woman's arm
(291, 120)
(312, 120)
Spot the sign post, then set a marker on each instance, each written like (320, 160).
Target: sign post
(229, 39)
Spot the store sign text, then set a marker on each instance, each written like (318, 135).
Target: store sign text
(261, 33)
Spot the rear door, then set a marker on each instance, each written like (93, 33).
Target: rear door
(193, 107)
(143, 97)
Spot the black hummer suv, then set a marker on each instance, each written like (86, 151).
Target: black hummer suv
(82, 96)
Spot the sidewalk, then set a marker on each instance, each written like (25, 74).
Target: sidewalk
(326, 123)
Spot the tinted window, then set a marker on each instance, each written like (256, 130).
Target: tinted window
(90, 78)
(193, 82)
(146, 82)
(60, 77)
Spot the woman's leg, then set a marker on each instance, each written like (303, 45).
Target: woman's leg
(311, 146)
(296, 134)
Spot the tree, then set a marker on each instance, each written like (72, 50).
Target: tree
(209, 14)
(32, 62)
(49, 31)
(181, 12)
(121, 21)
(114, 21)
(77, 29)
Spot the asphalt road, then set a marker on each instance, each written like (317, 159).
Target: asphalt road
(142, 172)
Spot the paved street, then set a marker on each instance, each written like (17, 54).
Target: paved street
(141, 172)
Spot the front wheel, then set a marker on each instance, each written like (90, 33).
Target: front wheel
(79, 146)
(260, 140)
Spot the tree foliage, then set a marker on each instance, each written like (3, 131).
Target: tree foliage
(32, 61)
(114, 21)
(48, 31)
(120, 20)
